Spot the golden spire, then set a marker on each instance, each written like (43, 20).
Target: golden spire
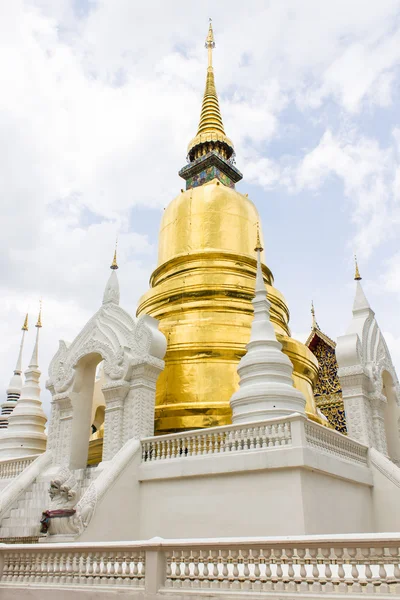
(357, 275)
(25, 325)
(114, 264)
(39, 321)
(258, 247)
(210, 133)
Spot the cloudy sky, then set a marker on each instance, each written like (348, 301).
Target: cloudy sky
(99, 100)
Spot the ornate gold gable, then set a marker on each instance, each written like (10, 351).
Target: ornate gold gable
(327, 390)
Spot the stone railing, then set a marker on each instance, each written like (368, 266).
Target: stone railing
(294, 430)
(11, 467)
(217, 440)
(313, 566)
(332, 442)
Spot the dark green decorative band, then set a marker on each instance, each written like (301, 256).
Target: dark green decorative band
(208, 175)
(208, 167)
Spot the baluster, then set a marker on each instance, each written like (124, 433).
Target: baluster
(270, 436)
(111, 562)
(235, 570)
(68, 568)
(163, 449)
(205, 568)
(6, 568)
(173, 454)
(302, 577)
(288, 437)
(61, 568)
(214, 559)
(135, 571)
(26, 567)
(238, 439)
(342, 587)
(247, 558)
(395, 561)
(316, 585)
(168, 570)
(279, 585)
(383, 587)
(89, 568)
(188, 560)
(196, 570)
(354, 575)
(326, 578)
(290, 572)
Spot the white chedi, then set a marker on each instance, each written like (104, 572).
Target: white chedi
(266, 385)
(25, 435)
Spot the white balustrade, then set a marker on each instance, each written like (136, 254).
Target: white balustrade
(12, 467)
(293, 430)
(314, 566)
(324, 568)
(218, 440)
(73, 565)
(332, 442)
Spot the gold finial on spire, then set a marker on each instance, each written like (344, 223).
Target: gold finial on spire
(357, 275)
(39, 321)
(25, 325)
(114, 264)
(210, 43)
(258, 247)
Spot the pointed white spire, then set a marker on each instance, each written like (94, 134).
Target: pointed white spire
(26, 424)
(15, 385)
(111, 293)
(361, 304)
(266, 385)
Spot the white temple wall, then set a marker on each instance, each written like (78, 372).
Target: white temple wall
(385, 493)
(234, 504)
(273, 502)
(333, 505)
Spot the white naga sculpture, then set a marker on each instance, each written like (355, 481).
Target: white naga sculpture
(370, 387)
(132, 352)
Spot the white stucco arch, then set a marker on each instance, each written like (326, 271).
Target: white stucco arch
(369, 382)
(132, 352)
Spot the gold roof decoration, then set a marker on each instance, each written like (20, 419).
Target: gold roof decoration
(25, 325)
(39, 321)
(314, 321)
(258, 247)
(317, 333)
(114, 264)
(211, 127)
(357, 276)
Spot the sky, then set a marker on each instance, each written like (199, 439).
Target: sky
(99, 99)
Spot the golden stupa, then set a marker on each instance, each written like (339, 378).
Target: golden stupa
(202, 288)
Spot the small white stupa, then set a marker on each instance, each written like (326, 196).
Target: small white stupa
(15, 385)
(25, 435)
(266, 385)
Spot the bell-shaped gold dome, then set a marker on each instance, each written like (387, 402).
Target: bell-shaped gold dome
(202, 288)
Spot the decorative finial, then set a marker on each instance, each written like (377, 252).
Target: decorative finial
(39, 321)
(314, 321)
(357, 275)
(25, 325)
(114, 264)
(210, 43)
(258, 247)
